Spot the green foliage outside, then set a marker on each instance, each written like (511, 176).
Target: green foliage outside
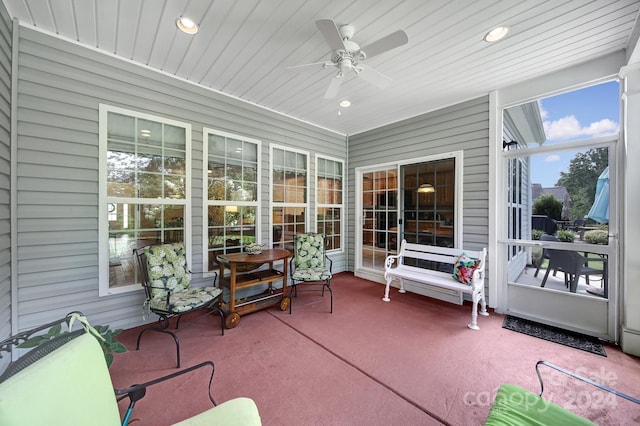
(597, 236)
(536, 234)
(581, 180)
(548, 205)
(566, 236)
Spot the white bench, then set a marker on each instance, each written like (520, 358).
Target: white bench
(396, 268)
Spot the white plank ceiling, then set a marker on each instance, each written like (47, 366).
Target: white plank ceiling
(244, 47)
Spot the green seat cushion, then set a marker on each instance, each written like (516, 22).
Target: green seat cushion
(236, 412)
(311, 274)
(186, 300)
(69, 386)
(516, 406)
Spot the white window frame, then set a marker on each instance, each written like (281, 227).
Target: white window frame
(205, 196)
(272, 204)
(340, 206)
(104, 200)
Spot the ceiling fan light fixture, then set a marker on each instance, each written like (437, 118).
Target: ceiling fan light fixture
(496, 34)
(426, 188)
(187, 25)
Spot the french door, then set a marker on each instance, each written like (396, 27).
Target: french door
(378, 225)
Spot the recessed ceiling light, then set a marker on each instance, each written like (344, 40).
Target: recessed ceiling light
(187, 25)
(496, 34)
(345, 103)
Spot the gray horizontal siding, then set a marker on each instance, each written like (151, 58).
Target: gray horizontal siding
(6, 50)
(459, 127)
(61, 85)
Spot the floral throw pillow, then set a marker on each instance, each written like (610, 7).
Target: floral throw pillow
(464, 267)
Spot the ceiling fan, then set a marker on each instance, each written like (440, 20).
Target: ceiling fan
(348, 56)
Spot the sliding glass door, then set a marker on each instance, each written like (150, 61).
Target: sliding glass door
(428, 202)
(419, 201)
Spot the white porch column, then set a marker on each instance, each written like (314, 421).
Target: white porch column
(630, 229)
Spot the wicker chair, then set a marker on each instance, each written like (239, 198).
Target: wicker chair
(169, 293)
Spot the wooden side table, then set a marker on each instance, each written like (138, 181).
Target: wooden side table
(245, 272)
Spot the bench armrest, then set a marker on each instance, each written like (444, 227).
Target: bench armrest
(478, 274)
(391, 260)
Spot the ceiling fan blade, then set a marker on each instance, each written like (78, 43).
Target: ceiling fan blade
(304, 67)
(374, 77)
(331, 34)
(334, 87)
(389, 42)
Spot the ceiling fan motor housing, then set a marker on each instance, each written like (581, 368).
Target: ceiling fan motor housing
(347, 59)
(346, 32)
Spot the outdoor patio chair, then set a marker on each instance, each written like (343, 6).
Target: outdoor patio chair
(309, 266)
(169, 293)
(65, 380)
(545, 255)
(573, 265)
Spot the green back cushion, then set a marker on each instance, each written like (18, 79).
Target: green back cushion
(309, 251)
(70, 386)
(167, 268)
(516, 406)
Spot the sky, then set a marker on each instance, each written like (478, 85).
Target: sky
(590, 112)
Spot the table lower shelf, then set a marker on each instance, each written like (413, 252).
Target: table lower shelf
(250, 279)
(245, 305)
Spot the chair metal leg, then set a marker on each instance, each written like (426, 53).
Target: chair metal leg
(293, 288)
(546, 275)
(327, 284)
(165, 331)
(221, 313)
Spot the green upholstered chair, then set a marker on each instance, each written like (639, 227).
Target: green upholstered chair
(66, 381)
(167, 283)
(310, 266)
(514, 405)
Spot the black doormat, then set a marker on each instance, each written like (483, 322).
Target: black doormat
(554, 334)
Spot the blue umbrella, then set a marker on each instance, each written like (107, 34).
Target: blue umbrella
(600, 208)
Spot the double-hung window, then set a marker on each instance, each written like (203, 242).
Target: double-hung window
(145, 188)
(232, 199)
(329, 200)
(289, 194)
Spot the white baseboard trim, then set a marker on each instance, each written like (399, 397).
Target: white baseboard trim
(630, 341)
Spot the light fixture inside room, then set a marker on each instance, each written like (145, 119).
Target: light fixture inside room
(231, 209)
(345, 103)
(426, 188)
(496, 34)
(186, 25)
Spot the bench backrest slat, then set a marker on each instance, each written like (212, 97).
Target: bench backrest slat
(437, 254)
